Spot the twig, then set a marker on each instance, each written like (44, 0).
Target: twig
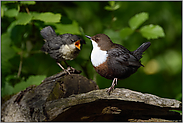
(20, 66)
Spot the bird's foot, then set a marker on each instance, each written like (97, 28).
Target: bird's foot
(110, 89)
(73, 70)
(67, 71)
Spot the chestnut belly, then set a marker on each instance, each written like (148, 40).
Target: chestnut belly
(115, 71)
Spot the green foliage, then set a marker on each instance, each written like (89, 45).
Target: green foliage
(113, 6)
(7, 89)
(152, 31)
(32, 80)
(46, 17)
(28, 2)
(148, 31)
(6, 53)
(23, 19)
(18, 44)
(138, 19)
(125, 32)
(126, 23)
(10, 13)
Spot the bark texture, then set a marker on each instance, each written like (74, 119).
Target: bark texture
(73, 97)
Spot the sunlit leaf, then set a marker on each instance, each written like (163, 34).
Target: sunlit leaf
(68, 28)
(28, 2)
(11, 13)
(20, 86)
(23, 18)
(32, 80)
(47, 17)
(125, 32)
(138, 19)
(5, 2)
(111, 3)
(35, 80)
(109, 8)
(113, 6)
(2, 12)
(152, 31)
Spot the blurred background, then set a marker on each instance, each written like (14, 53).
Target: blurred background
(23, 64)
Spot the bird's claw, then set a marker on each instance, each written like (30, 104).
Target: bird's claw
(114, 83)
(110, 89)
(70, 70)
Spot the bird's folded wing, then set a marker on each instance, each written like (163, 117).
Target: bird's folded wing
(123, 56)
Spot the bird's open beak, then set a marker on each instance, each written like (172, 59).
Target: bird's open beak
(78, 44)
(88, 37)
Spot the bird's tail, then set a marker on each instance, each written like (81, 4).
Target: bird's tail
(48, 32)
(139, 51)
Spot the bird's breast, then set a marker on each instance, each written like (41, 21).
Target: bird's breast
(98, 57)
(68, 52)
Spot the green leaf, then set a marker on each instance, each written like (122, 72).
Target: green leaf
(138, 19)
(35, 80)
(47, 17)
(109, 8)
(32, 80)
(6, 53)
(68, 28)
(113, 6)
(152, 31)
(125, 32)
(11, 13)
(11, 26)
(23, 18)
(20, 86)
(5, 2)
(28, 2)
(111, 3)
(2, 12)
(7, 89)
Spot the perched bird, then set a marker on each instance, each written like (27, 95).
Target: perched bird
(62, 47)
(114, 61)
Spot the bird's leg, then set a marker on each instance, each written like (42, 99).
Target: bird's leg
(63, 68)
(114, 82)
(69, 66)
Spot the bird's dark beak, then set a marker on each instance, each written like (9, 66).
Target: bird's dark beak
(88, 37)
(78, 44)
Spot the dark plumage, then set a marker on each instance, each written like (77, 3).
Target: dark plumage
(62, 47)
(119, 63)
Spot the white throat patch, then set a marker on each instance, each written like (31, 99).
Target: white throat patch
(68, 51)
(98, 56)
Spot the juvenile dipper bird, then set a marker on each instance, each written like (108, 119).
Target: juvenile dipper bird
(113, 61)
(62, 47)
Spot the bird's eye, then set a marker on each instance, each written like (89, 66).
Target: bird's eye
(97, 39)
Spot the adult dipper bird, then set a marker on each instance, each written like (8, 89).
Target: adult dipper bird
(62, 47)
(113, 61)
